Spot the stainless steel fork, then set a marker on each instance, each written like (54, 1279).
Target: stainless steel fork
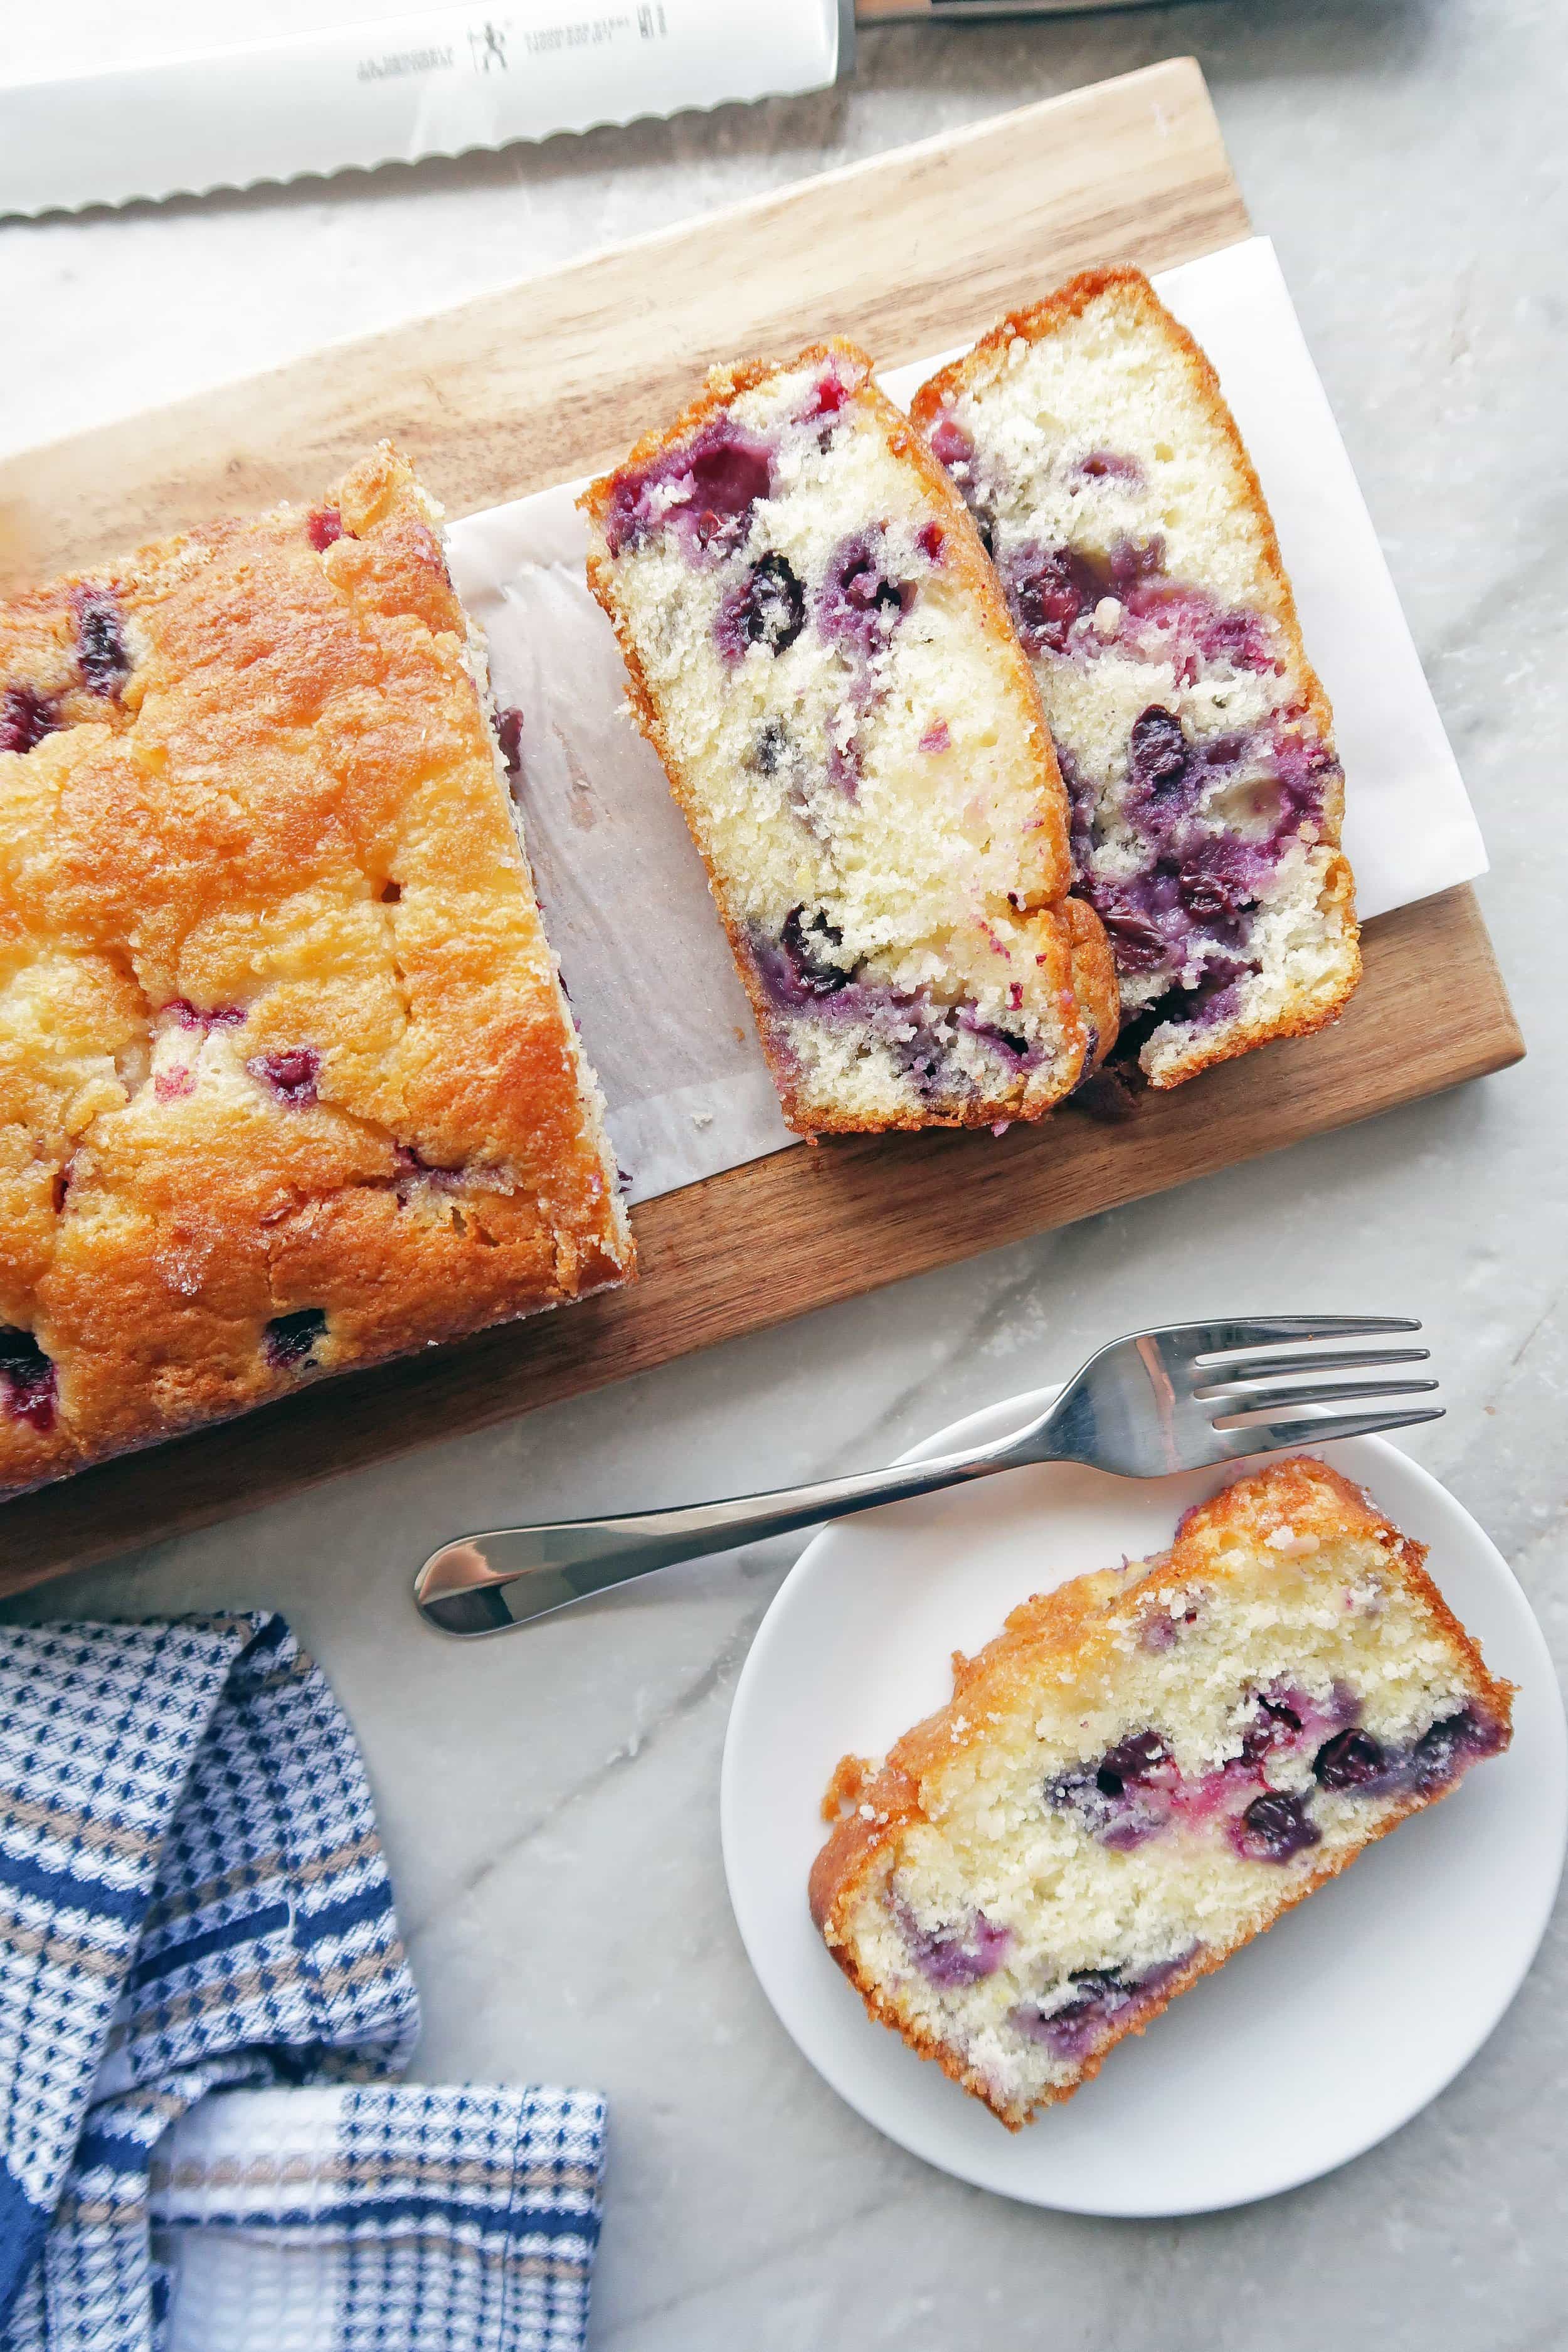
(1183, 1398)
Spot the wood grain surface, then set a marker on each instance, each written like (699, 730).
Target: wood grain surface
(556, 377)
(549, 378)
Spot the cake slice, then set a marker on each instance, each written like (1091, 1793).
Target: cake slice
(1140, 566)
(819, 653)
(288, 1081)
(1140, 1773)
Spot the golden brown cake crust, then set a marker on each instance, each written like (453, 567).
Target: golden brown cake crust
(1069, 941)
(1035, 320)
(280, 1032)
(1093, 979)
(1072, 1629)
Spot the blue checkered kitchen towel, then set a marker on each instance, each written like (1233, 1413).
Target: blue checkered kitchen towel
(194, 1900)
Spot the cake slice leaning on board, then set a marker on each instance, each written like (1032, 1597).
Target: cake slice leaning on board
(1139, 1774)
(288, 1081)
(819, 655)
(1140, 566)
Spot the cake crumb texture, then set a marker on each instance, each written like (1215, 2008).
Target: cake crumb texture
(1144, 1769)
(1105, 472)
(819, 653)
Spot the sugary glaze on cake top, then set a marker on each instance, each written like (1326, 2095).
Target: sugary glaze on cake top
(287, 1080)
(819, 654)
(1142, 1772)
(1089, 436)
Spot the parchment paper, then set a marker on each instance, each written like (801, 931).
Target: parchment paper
(663, 1016)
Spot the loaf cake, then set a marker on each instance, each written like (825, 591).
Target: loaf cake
(819, 653)
(1142, 1772)
(1141, 569)
(287, 1077)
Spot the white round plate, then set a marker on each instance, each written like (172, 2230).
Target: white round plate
(1307, 2047)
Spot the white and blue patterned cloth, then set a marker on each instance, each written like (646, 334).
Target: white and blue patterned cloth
(194, 1900)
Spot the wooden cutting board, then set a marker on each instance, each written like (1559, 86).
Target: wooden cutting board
(556, 376)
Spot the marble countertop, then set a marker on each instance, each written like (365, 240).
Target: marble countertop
(550, 1802)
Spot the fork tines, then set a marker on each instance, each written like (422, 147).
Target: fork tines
(1206, 1339)
(1242, 1374)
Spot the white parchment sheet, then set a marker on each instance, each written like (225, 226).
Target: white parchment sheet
(663, 1018)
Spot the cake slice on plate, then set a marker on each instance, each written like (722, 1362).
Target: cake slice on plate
(1142, 1772)
(819, 652)
(288, 1081)
(1127, 526)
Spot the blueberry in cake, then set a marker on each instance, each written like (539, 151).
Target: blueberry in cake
(1126, 523)
(1142, 1772)
(287, 1078)
(819, 653)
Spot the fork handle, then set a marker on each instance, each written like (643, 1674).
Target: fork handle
(487, 1584)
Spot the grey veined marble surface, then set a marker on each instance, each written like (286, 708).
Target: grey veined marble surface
(550, 1802)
